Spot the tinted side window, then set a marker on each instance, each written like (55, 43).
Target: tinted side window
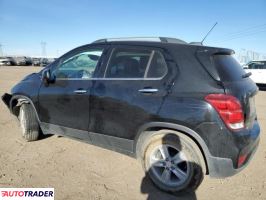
(228, 68)
(81, 65)
(158, 66)
(128, 63)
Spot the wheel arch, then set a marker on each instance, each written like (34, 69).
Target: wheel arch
(149, 129)
(17, 100)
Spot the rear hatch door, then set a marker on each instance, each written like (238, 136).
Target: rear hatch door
(224, 68)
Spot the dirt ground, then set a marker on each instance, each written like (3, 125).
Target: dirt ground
(80, 171)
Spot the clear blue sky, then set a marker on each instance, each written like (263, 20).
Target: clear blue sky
(65, 24)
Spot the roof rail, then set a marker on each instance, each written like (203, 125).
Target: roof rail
(142, 39)
(196, 43)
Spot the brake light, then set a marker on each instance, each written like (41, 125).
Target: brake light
(241, 160)
(229, 109)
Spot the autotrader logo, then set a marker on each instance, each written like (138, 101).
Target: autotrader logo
(26, 193)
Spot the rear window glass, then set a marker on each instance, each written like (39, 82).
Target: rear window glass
(128, 63)
(228, 68)
(136, 63)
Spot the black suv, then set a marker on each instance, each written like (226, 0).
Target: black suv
(184, 110)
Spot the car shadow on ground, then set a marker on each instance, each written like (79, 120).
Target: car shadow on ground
(147, 187)
(44, 136)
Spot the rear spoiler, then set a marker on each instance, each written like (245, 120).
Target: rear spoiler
(204, 56)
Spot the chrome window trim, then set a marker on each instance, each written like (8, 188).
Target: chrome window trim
(149, 64)
(124, 79)
(88, 79)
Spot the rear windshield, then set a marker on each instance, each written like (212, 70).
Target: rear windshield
(228, 68)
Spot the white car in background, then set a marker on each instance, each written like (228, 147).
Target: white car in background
(258, 70)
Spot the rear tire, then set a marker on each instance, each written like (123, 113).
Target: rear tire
(173, 161)
(29, 123)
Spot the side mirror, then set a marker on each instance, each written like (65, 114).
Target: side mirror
(47, 77)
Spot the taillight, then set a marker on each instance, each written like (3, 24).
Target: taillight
(241, 160)
(229, 109)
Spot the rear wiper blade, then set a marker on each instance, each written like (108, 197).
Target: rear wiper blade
(246, 75)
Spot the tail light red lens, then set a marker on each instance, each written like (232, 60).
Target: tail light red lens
(241, 160)
(229, 109)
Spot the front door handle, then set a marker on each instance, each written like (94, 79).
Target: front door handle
(80, 91)
(148, 90)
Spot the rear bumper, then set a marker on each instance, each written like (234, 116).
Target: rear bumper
(223, 167)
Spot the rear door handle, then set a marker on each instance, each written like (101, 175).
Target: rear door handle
(80, 91)
(148, 90)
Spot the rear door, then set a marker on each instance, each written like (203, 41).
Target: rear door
(131, 91)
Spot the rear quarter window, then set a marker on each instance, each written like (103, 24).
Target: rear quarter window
(228, 68)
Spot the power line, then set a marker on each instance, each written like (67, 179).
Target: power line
(243, 33)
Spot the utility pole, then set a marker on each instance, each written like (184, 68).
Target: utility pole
(1, 50)
(43, 47)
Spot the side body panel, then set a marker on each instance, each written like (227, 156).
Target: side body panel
(119, 108)
(28, 87)
(61, 103)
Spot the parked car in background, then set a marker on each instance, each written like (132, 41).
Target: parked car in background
(36, 61)
(21, 60)
(4, 61)
(257, 68)
(8, 61)
(28, 61)
(44, 62)
(183, 110)
(50, 60)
